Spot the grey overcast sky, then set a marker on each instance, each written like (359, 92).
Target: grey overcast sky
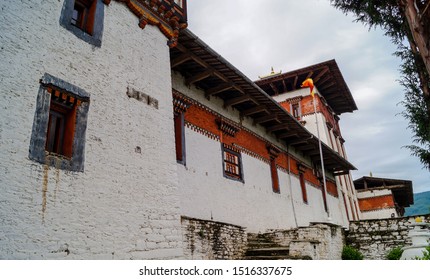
(256, 35)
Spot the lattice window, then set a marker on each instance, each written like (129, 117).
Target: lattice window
(232, 164)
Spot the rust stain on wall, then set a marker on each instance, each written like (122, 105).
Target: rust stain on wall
(44, 190)
(57, 183)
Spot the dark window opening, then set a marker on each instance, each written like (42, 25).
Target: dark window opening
(296, 111)
(84, 14)
(179, 124)
(61, 123)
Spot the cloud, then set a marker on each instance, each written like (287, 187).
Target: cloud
(256, 35)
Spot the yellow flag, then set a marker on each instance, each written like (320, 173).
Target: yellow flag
(310, 84)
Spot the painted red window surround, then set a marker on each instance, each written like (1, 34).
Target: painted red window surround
(61, 123)
(84, 14)
(274, 175)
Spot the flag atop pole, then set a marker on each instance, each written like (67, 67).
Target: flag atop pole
(310, 84)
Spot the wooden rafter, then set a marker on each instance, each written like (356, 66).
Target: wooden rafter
(238, 100)
(275, 89)
(318, 77)
(272, 117)
(277, 127)
(254, 110)
(201, 76)
(288, 134)
(180, 59)
(219, 88)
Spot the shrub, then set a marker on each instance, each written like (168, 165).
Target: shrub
(426, 255)
(395, 253)
(350, 253)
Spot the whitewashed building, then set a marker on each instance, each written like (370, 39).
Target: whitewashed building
(119, 126)
(383, 198)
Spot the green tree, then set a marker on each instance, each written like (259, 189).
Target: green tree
(407, 23)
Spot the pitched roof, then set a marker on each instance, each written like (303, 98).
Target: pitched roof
(401, 189)
(206, 69)
(327, 78)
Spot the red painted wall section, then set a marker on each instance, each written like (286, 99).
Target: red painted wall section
(307, 108)
(375, 203)
(332, 189)
(205, 119)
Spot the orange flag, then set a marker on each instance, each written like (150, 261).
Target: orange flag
(310, 84)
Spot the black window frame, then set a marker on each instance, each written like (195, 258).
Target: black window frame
(179, 126)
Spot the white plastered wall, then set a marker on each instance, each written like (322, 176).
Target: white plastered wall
(125, 204)
(207, 194)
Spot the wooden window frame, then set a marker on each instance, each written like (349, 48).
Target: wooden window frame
(61, 127)
(237, 176)
(86, 10)
(303, 187)
(296, 108)
(274, 175)
(179, 125)
(89, 24)
(69, 137)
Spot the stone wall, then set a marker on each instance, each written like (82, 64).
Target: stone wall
(211, 240)
(319, 241)
(375, 238)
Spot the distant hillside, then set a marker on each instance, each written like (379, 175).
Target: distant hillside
(421, 205)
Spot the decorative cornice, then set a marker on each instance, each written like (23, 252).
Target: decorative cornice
(301, 167)
(251, 153)
(273, 151)
(202, 131)
(231, 147)
(227, 127)
(160, 13)
(180, 103)
(378, 209)
(241, 127)
(294, 100)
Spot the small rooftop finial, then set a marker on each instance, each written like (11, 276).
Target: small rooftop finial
(272, 73)
(371, 175)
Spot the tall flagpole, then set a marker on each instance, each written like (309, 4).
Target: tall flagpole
(322, 159)
(310, 83)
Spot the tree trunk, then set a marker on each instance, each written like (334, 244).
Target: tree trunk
(417, 29)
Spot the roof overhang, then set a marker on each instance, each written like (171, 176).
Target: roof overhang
(327, 78)
(202, 67)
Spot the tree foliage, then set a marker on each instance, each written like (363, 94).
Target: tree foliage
(351, 253)
(392, 17)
